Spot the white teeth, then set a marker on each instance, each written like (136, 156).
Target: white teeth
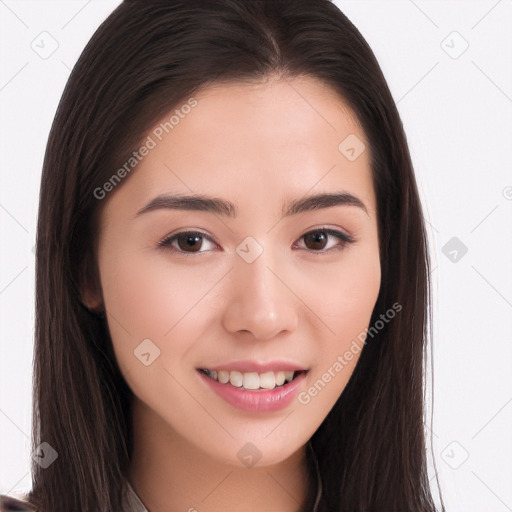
(288, 376)
(236, 379)
(223, 376)
(267, 380)
(251, 380)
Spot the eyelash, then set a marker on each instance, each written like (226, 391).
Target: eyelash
(345, 239)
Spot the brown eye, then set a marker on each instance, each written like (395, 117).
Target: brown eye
(189, 241)
(317, 240)
(186, 242)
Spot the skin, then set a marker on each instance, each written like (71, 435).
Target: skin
(257, 145)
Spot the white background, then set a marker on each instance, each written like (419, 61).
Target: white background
(457, 111)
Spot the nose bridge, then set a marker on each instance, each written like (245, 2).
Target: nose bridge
(258, 300)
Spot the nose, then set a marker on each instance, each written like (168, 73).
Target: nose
(259, 300)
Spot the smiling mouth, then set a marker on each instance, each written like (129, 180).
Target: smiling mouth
(252, 380)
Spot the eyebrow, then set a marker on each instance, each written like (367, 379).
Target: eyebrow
(228, 209)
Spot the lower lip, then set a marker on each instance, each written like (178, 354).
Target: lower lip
(256, 400)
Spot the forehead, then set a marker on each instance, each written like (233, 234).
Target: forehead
(255, 141)
(254, 118)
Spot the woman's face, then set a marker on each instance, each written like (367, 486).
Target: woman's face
(267, 282)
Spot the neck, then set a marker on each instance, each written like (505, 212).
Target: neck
(168, 473)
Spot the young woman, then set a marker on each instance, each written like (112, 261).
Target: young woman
(232, 271)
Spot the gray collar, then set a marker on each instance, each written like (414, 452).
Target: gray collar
(132, 502)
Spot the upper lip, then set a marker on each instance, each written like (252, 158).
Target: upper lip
(256, 366)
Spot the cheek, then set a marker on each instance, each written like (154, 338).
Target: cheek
(148, 296)
(345, 304)
(345, 294)
(145, 299)
(149, 299)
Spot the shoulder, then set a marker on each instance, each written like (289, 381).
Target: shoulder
(15, 504)
(20, 503)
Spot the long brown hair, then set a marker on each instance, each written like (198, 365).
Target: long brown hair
(147, 57)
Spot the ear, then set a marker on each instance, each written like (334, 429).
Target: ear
(91, 294)
(92, 300)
